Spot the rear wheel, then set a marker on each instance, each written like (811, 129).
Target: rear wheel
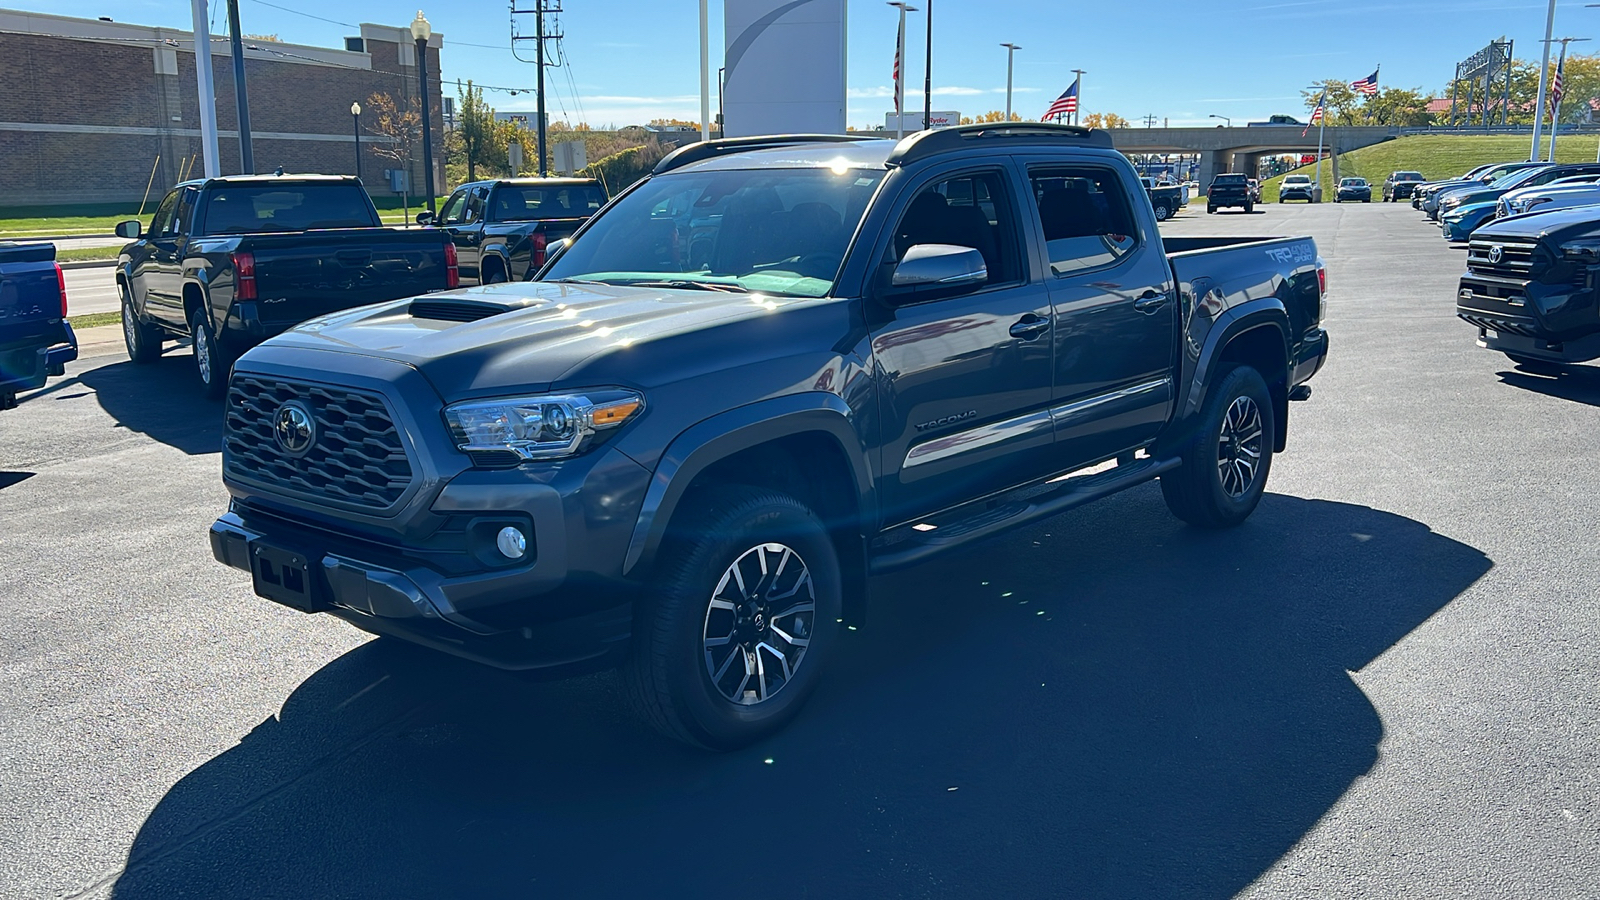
(209, 359)
(143, 341)
(493, 273)
(735, 638)
(1210, 209)
(1224, 472)
(1162, 213)
(1249, 207)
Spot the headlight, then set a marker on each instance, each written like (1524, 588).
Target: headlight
(1451, 202)
(1531, 202)
(548, 426)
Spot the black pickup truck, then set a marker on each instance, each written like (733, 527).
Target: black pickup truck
(1230, 189)
(35, 339)
(1531, 287)
(769, 370)
(228, 262)
(502, 229)
(1165, 199)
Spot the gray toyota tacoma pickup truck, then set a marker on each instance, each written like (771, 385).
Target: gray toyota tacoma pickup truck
(774, 368)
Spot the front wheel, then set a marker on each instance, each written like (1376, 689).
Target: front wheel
(209, 359)
(745, 612)
(1224, 470)
(1162, 213)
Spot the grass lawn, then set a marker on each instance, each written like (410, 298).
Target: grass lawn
(1436, 156)
(94, 320)
(11, 229)
(87, 253)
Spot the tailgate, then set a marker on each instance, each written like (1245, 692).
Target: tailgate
(30, 298)
(312, 273)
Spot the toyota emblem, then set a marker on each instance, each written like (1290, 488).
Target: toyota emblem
(294, 428)
(1497, 253)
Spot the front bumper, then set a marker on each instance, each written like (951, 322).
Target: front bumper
(1558, 322)
(1457, 230)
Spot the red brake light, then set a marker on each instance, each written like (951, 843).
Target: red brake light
(61, 286)
(452, 270)
(1322, 280)
(244, 275)
(540, 241)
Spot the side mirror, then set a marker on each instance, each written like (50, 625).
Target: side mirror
(939, 268)
(556, 248)
(424, 218)
(130, 229)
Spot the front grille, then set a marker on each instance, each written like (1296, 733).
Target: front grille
(1516, 258)
(356, 457)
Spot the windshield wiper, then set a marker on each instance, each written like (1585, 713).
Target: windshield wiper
(693, 286)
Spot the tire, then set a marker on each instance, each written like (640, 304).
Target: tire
(1211, 210)
(143, 340)
(1249, 208)
(1162, 213)
(685, 687)
(210, 361)
(1367, 200)
(1212, 488)
(1536, 366)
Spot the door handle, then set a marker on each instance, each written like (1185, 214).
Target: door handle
(1029, 327)
(1150, 302)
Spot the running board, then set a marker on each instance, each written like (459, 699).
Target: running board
(1073, 492)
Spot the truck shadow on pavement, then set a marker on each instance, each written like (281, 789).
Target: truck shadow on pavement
(161, 400)
(1108, 705)
(1580, 384)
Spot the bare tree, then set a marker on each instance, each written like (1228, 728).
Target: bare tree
(401, 125)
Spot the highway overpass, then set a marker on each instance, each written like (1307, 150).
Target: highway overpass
(1224, 149)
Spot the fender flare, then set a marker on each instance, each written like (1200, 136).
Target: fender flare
(719, 437)
(1266, 312)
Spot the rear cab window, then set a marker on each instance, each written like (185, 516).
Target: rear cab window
(525, 203)
(268, 208)
(1084, 215)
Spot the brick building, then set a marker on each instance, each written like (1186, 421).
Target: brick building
(90, 107)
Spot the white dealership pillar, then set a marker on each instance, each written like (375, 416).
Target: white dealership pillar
(1544, 77)
(208, 91)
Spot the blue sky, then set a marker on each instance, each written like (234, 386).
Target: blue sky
(631, 60)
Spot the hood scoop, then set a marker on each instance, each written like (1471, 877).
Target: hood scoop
(455, 310)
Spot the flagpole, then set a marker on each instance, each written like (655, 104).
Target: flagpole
(1544, 77)
(1555, 100)
(1077, 92)
(1322, 129)
(900, 71)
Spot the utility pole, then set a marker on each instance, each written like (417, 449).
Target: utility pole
(540, 36)
(1544, 77)
(1011, 51)
(208, 90)
(247, 156)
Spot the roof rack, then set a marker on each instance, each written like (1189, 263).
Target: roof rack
(942, 140)
(702, 150)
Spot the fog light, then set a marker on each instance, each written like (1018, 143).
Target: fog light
(512, 543)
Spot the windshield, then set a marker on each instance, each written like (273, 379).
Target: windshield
(1297, 179)
(777, 231)
(254, 209)
(526, 203)
(1353, 182)
(1514, 178)
(1408, 176)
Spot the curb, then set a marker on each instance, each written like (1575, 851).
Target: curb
(54, 237)
(89, 264)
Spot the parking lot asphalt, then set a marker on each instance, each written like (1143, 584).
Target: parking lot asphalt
(1384, 684)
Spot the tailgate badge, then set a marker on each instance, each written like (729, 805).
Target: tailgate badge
(1497, 253)
(294, 428)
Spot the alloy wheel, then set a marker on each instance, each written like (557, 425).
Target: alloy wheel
(759, 623)
(1239, 447)
(202, 353)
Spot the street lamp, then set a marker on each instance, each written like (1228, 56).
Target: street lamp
(355, 115)
(1223, 118)
(421, 31)
(1011, 51)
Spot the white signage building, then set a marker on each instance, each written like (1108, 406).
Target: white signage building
(784, 67)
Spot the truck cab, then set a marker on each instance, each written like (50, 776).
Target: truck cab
(501, 229)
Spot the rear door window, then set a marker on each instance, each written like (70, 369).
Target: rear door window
(1085, 216)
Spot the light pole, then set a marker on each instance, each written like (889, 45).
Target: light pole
(927, 75)
(1544, 77)
(1011, 51)
(355, 115)
(1077, 114)
(421, 31)
(705, 74)
(900, 70)
(1223, 118)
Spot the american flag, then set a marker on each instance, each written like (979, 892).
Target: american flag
(1557, 89)
(1367, 85)
(899, 91)
(1316, 114)
(1065, 105)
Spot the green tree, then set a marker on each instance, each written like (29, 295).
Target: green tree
(1104, 120)
(1398, 106)
(1344, 104)
(476, 129)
